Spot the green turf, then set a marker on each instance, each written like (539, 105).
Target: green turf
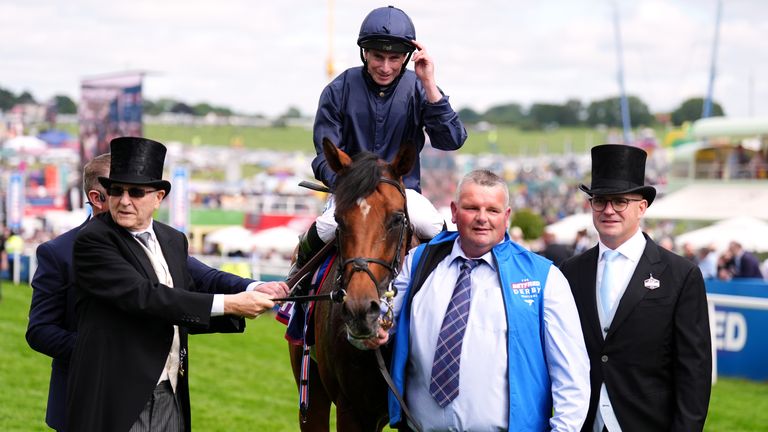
(243, 382)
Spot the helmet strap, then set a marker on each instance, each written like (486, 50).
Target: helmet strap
(405, 63)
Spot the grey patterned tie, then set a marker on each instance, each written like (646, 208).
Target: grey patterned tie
(144, 238)
(444, 385)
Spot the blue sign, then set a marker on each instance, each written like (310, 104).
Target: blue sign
(179, 208)
(14, 203)
(738, 327)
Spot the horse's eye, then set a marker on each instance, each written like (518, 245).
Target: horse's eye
(396, 220)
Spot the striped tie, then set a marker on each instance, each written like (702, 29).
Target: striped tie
(444, 385)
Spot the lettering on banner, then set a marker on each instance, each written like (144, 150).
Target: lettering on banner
(730, 331)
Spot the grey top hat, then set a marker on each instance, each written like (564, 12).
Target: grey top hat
(136, 161)
(619, 169)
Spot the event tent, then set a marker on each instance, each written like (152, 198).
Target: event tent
(750, 232)
(231, 239)
(281, 239)
(56, 138)
(26, 144)
(566, 228)
(713, 201)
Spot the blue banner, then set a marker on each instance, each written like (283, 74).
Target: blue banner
(14, 203)
(179, 205)
(738, 327)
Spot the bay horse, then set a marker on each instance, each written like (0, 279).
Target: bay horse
(373, 236)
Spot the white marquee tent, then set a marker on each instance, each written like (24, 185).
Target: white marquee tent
(713, 201)
(281, 239)
(750, 232)
(566, 228)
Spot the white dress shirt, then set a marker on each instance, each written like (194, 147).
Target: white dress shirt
(483, 402)
(155, 254)
(624, 265)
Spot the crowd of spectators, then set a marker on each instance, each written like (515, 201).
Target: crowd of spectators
(732, 263)
(546, 185)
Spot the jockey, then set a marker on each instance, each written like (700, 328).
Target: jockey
(378, 107)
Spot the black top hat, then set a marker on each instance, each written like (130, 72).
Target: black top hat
(137, 161)
(619, 169)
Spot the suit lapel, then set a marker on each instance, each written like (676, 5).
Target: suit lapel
(169, 248)
(130, 242)
(649, 265)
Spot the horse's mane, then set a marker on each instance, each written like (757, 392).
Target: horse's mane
(357, 180)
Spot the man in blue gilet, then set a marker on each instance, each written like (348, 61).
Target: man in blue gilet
(487, 334)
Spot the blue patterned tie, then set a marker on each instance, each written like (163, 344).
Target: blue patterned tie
(444, 385)
(607, 289)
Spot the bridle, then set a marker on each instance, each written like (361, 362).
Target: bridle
(361, 264)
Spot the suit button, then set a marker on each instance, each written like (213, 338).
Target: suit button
(605, 329)
(604, 359)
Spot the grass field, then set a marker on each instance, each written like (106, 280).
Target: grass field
(509, 140)
(243, 382)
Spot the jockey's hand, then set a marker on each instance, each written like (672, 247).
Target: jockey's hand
(381, 338)
(273, 289)
(424, 67)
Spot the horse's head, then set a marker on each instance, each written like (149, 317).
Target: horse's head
(373, 230)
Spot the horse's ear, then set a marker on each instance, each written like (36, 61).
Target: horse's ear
(335, 156)
(405, 158)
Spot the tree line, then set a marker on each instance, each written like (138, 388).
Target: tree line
(538, 116)
(574, 113)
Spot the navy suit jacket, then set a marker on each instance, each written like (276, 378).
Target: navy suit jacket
(749, 267)
(53, 325)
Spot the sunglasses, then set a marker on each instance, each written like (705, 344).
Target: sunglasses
(133, 192)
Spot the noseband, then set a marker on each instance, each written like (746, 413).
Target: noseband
(361, 264)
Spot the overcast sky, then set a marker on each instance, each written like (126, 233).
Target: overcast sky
(259, 56)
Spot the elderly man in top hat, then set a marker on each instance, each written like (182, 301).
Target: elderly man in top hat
(643, 310)
(136, 303)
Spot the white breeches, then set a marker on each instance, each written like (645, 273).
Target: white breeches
(427, 221)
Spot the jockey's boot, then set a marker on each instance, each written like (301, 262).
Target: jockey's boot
(310, 244)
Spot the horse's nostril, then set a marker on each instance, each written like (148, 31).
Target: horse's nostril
(375, 309)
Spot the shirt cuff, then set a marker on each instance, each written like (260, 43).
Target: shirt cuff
(440, 102)
(252, 286)
(217, 307)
